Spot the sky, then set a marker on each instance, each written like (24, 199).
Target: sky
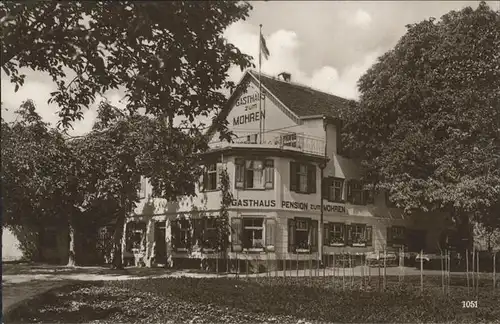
(326, 45)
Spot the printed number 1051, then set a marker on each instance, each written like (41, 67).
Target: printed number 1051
(469, 304)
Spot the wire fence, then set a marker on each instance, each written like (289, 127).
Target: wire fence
(371, 270)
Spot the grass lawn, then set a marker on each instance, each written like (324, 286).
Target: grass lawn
(259, 300)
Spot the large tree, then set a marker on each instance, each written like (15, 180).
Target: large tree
(39, 182)
(168, 57)
(427, 125)
(120, 149)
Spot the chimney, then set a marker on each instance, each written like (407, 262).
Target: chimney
(285, 76)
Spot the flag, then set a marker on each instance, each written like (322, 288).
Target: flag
(263, 47)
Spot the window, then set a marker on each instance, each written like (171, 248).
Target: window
(254, 174)
(358, 235)
(335, 190)
(302, 235)
(396, 236)
(184, 234)
(253, 231)
(355, 192)
(210, 233)
(369, 196)
(181, 234)
(336, 234)
(290, 140)
(252, 139)
(210, 177)
(135, 236)
(253, 234)
(302, 177)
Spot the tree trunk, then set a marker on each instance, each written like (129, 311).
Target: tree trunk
(116, 253)
(71, 249)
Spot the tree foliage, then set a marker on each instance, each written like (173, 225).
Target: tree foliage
(122, 148)
(427, 126)
(169, 57)
(39, 175)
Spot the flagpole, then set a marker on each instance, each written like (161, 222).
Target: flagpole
(260, 85)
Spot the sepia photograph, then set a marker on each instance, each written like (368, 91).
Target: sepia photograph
(296, 162)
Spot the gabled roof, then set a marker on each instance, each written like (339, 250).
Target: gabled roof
(302, 100)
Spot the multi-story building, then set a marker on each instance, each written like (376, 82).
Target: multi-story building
(295, 196)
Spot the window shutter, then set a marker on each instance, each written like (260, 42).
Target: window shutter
(269, 174)
(389, 236)
(311, 179)
(219, 172)
(236, 230)
(326, 233)
(204, 224)
(349, 190)
(368, 235)
(291, 235)
(314, 235)
(196, 228)
(347, 234)
(240, 173)
(270, 234)
(325, 188)
(293, 176)
(174, 230)
(204, 180)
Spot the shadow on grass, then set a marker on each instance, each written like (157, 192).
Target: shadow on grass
(62, 305)
(318, 299)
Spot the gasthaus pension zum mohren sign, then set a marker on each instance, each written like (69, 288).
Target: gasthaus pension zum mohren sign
(271, 203)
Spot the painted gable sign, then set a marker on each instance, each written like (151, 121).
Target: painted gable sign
(245, 116)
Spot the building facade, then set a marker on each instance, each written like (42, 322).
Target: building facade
(281, 179)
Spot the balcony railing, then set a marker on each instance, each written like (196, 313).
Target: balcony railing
(276, 139)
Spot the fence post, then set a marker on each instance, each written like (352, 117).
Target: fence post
(473, 269)
(442, 270)
(362, 272)
(325, 264)
(478, 279)
(449, 271)
(334, 274)
(494, 270)
(297, 263)
(378, 266)
(352, 270)
(385, 267)
(317, 264)
(217, 263)
(343, 271)
(284, 267)
(467, 268)
(421, 271)
(228, 260)
(310, 267)
(237, 266)
(267, 265)
(246, 258)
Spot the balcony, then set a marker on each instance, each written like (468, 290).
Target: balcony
(276, 139)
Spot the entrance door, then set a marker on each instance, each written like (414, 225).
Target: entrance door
(161, 247)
